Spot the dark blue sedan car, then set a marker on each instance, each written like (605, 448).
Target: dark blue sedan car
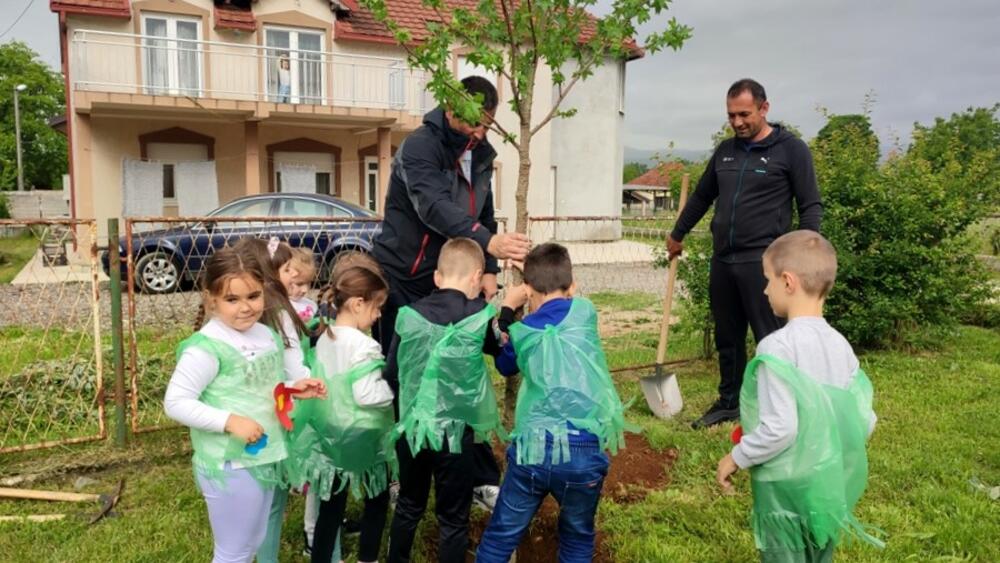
(170, 259)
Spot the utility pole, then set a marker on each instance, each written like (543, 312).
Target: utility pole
(17, 130)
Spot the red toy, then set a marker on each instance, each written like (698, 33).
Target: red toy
(283, 404)
(737, 434)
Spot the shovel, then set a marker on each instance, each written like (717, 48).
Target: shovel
(663, 394)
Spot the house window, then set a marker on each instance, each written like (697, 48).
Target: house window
(168, 182)
(621, 88)
(295, 70)
(312, 171)
(371, 182)
(171, 55)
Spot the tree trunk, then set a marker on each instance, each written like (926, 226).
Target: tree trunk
(512, 383)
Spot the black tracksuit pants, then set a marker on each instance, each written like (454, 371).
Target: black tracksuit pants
(736, 294)
(331, 514)
(453, 482)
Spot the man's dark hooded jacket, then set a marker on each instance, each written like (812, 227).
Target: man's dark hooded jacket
(430, 201)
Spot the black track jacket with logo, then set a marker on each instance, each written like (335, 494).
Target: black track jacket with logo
(752, 187)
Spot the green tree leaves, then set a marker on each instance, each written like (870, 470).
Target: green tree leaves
(43, 148)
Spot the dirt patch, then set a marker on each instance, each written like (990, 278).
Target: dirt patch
(635, 471)
(615, 323)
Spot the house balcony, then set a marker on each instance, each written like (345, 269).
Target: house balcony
(123, 72)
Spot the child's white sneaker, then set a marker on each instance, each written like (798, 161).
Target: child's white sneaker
(485, 496)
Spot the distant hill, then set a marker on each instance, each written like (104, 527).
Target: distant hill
(647, 156)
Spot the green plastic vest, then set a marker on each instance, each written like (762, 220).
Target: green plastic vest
(806, 495)
(443, 383)
(566, 379)
(305, 342)
(337, 437)
(246, 388)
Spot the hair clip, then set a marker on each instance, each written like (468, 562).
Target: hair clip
(272, 246)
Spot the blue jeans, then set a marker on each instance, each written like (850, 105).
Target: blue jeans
(576, 486)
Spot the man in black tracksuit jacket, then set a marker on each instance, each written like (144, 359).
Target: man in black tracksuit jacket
(752, 179)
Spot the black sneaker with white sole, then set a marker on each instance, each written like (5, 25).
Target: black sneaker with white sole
(717, 414)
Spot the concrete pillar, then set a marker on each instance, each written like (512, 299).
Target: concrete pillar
(252, 158)
(384, 166)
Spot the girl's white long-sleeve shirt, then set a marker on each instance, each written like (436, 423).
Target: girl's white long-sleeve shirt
(818, 351)
(196, 369)
(350, 347)
(294, 358)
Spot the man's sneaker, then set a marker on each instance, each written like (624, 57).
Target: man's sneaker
(718, 414)
(485, 496)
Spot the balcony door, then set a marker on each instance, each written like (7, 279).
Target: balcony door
(295, 70)
(171, 55)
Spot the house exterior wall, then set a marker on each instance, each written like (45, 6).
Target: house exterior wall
(576, 162)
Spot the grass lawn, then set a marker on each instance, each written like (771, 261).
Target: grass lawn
(15, 253)
(937, 429)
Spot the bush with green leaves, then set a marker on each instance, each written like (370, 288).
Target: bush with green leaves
(907, 268)
(905, 262)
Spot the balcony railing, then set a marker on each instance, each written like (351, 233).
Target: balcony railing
(167, 66)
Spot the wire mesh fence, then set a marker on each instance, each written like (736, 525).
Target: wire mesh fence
(164, 258)
(51, 360)
(619, 264)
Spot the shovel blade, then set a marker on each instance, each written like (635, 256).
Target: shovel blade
(663, 394)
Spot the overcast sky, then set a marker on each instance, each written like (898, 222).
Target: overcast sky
(921, 58)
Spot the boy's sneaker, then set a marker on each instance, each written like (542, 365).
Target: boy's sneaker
(485, 496)
(717, 414)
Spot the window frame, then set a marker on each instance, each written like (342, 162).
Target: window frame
(173, 56)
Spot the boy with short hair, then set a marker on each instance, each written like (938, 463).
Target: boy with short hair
(446, 400)
(806, 408)
(568, 411)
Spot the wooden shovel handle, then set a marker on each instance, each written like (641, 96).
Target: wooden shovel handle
(668, 300)
(48, 495)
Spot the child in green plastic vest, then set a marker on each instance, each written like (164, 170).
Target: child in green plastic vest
(805, 414)
(222, 388)
(341, 444)
(446, 400)
(568, 411)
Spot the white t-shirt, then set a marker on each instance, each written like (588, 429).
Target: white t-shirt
(196, 368)
(817, 350)
(348, 348)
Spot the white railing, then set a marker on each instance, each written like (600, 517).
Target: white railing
(145, 64)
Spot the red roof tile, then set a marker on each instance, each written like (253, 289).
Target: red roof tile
(113, 8)
(228, 16)
(361, 25)
(659, 176)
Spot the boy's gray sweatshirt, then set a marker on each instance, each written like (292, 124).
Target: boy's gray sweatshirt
(820, 352)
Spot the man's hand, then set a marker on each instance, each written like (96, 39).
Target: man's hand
(726, 469)
(513, 246)
(310, 388)
(674, 248)
(244, 428)
(490, 286)
(516, 296)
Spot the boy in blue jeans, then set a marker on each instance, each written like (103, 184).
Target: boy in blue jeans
(568, 411)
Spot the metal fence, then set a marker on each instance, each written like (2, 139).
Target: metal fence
(54, 353)
(164, 258)
(51, 360)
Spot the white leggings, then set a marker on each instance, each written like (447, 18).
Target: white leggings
(238, 511)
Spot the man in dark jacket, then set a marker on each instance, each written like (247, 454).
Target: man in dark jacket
(441, 188)
(752, 179)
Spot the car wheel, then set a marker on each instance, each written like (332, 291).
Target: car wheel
(156, 272)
